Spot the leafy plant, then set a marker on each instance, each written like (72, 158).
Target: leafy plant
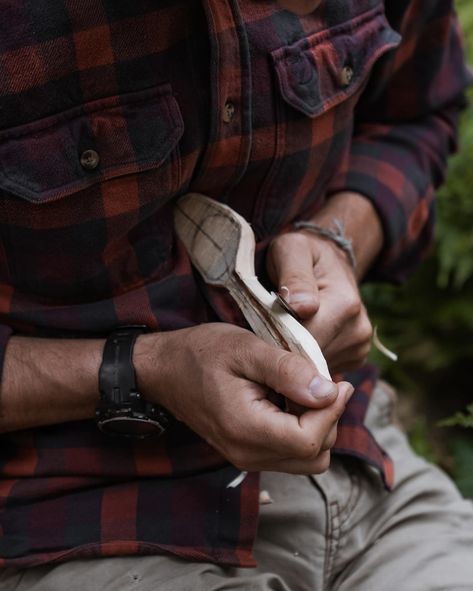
(459, 419)
(429, 320)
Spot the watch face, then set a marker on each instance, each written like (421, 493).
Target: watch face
(131, 427)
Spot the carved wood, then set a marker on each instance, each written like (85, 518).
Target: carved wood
(221, 245)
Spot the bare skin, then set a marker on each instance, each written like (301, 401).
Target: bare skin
(222, 395)
(215, 377)
(323, 287)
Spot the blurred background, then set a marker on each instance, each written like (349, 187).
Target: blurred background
(429, 321)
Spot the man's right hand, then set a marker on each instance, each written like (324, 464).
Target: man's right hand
(215, 378)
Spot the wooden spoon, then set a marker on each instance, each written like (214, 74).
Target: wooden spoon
(221, 245)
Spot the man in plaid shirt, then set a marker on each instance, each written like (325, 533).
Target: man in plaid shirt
(314, 110)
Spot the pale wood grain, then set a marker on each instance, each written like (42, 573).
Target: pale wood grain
(221, 245)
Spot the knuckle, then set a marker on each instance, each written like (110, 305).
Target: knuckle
(365, 336)
(363, 361)
(365, 350)
(282, 242)
(366, 329)
(334, 413)
(323, 463)
(298, 239)
(352, 305)
(330, 440)
(239, 353)
(357, 359)
(308, 451)
(361, 358)
(243, 348)
(287, 365)
(238, 458)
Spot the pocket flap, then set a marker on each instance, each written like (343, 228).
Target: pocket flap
(50, 158)
(326, 68)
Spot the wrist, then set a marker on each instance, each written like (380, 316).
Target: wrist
(361, 223)
(335, 235)
(150, 358)
(123, 410)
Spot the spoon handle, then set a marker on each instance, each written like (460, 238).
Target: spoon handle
(221, 245)
(272, 323)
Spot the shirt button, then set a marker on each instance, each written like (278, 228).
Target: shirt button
(228, 112)
(89, 159)
(346, 76)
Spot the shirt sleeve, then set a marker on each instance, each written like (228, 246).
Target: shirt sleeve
(5, 334)
(405, 128)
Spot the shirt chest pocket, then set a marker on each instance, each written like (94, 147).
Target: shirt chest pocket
(319, 80)
(101, 140)
(80, 192)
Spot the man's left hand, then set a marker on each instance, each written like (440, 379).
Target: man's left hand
(323, 291)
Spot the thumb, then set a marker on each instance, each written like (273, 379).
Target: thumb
(291, 375)
(290, 267)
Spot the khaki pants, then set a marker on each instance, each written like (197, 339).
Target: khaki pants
(338, 531)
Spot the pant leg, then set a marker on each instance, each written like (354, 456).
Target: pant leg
(419, 537)
(289, 549)
(339, 531)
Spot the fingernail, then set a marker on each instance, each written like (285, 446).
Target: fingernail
(284, 292)
(321, 388)
(301, 298)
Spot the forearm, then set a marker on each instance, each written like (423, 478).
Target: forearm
(404, 132)
(362, 226)
(48, 381)
(214, 377)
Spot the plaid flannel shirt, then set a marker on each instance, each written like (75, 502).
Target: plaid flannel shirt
(243, 101)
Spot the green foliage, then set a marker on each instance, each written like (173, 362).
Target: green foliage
(463, 460)
(429, 321)
(460, 419)
(420, 441)
(455, 238)
(465, 11)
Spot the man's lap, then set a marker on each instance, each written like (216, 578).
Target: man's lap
(339, 531)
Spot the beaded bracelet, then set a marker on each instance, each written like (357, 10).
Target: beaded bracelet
(336, 235)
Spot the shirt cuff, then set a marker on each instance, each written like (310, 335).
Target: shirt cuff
(404, 204)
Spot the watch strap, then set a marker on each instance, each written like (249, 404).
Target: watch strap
(117, 378)
(122, 410)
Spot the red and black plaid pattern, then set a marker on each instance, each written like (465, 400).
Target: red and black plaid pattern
(240, 100)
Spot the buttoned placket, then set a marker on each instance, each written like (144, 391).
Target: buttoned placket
(229, 145)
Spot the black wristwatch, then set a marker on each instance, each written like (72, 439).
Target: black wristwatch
(122, 410)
